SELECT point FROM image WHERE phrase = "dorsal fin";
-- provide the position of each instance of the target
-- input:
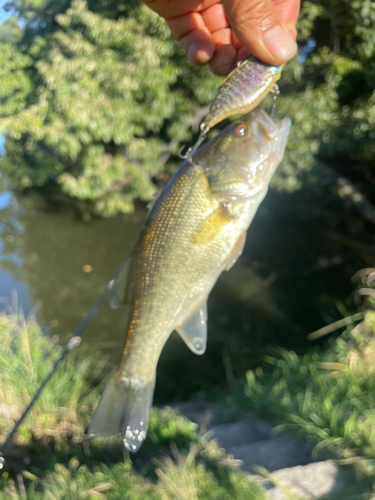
(193, 330)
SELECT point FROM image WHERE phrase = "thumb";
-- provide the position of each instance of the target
(257, 25)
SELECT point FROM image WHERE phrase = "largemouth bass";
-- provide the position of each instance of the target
(195, 230)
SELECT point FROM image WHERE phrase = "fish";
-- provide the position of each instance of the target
(242, 90)
(195, 229)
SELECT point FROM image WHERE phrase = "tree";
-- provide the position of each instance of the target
(99, 98)
(109, 104)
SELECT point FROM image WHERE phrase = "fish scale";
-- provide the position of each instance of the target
(167, 244)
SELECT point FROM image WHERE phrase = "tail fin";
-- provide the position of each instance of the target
(124, 407)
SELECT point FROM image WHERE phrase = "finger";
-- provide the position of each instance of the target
(224, 60)
(193, 36)
(288, 11)
(171, 8)
(181, 26)
(292, 30)
(222, 37)
(215, 18)
(198, 46)
(235, 42)
(242, 54)
(258, 27)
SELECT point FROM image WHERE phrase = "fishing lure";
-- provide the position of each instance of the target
(243, 89)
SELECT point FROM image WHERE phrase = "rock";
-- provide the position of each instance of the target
(254, 443)
(275, 453)
(238, 433)
(200, 412)
(306, 482)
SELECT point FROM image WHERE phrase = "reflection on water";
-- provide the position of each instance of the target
(294, 277)
(11, 261)
(51, 252)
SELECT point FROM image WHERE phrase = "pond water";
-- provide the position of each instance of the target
(293, 277)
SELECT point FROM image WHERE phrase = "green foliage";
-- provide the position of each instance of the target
(14, 82)
(185, 478)
(26, 357)
(328, 90)
(66, 404)
(110, 101)
(167, 426)
(98, 97)
(54, 432)
(328, 395)
(75, 482)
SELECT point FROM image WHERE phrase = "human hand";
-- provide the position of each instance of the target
(222, 32)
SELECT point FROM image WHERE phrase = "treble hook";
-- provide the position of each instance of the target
(190, 151)
(185, 156)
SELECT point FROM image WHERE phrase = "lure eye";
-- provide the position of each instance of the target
(240, 130)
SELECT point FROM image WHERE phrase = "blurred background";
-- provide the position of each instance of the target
(96, 100)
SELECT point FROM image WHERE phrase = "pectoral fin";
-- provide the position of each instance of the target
(212, 226)
(236, 251)
(117, 287)
(193, 330)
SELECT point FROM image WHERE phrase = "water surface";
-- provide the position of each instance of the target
(293, 278)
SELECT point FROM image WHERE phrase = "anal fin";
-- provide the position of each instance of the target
(193, 330)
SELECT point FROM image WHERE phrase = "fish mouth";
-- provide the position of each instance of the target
(254, 144)
(266, 127)
(270, 141)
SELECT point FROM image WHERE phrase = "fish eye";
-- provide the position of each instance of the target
(240, 130)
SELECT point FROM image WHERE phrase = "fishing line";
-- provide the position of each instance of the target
(275, 94)
(72, 343)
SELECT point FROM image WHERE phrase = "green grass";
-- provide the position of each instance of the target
(186, 477)
(328, 395)
(50, 457)
(62, 412)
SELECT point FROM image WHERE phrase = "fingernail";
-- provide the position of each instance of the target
(197, 53)
(279, 43)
